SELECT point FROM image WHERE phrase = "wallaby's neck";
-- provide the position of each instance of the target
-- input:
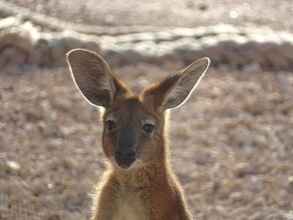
(150, 175)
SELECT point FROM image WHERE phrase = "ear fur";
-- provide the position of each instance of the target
(93, 77)
(175, 90)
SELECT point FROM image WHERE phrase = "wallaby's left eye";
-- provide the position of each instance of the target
(148, 128)
(110, 125)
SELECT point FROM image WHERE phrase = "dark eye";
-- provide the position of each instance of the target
(148, 128)
(110, 125)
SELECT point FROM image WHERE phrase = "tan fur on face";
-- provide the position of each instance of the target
(135, 112)
(146, 190)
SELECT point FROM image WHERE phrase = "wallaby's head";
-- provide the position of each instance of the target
(133, 124)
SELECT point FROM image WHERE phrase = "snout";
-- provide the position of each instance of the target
(125, 158)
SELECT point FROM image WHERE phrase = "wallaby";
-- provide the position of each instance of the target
(139, 183)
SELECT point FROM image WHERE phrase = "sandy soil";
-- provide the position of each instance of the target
(164, 13)
(231, 144)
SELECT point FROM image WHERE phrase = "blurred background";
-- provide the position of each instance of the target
(231, 143)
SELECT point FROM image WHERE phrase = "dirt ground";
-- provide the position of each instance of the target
(189, 13)
(231, 144)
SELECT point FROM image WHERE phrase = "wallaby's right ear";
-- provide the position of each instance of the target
(92, 76)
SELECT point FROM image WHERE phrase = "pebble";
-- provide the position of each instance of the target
(13, 165)
(243, 169)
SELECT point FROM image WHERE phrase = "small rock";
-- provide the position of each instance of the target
(13, 165)
(243, 169)
(50, 185)
(290, 183)
(202, 7)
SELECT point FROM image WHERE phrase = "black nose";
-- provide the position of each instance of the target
(125, 158)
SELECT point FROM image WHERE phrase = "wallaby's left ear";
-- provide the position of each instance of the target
(175, 90)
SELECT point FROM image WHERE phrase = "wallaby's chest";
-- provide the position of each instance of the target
(131, 206)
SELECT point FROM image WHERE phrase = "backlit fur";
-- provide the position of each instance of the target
(148, 190)
(140, 187)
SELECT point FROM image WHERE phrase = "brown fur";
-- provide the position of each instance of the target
(151, 188)
(139, 183)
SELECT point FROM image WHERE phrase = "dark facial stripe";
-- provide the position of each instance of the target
(127, 138)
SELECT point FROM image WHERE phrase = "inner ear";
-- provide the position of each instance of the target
(94, 78)
(154, 95)
(173, 91)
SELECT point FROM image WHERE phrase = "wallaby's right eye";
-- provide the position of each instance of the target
(110, 124)
(148, 128)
